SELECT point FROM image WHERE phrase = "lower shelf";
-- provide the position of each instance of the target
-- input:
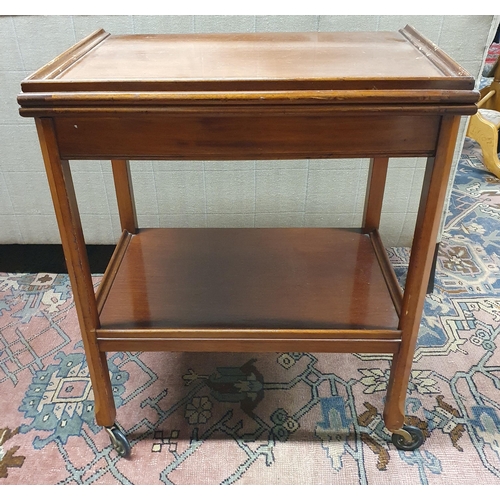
(246, 285)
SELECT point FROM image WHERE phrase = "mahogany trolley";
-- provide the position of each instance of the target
(258, 96)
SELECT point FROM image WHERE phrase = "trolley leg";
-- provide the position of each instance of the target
(75, 253)
(377, 175)
(422, 254)
(124, 195)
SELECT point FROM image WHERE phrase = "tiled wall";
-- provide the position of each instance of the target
(239, 194)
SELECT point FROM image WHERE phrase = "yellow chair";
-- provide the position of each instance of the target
(484, 126)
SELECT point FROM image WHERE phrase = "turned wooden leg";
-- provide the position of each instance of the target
(75, 253)
(422, 253)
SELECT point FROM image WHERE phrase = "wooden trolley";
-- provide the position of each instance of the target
(238, 97)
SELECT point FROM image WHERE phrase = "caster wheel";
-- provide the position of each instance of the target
(119, 441)
(417, 438)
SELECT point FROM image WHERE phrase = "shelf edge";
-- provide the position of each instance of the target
(266, 344)
(387, 271)
(112, 269)
(249, 333)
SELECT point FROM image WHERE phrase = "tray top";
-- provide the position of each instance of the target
(302, 60)
(251, 57)
(323, 68)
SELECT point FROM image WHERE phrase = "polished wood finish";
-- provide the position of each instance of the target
(377, 175)
(268, 279)
(124, 195)
(263, 133)
(419, 268)
(244, 342)
(250, 96)
(70, 227)
(247, 61)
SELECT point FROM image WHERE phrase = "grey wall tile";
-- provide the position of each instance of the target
(9, 231)
(40, 229)
(163, 24)
(10, 85)
(116, 230)
(183, 220)
(20, 148)
(179, 165)
(29, 193)
(362, 183)
(135, 165)
(409, 163)
(350, 164)
(324, 164)
(429, 26)
(41, 38)
(230, 191)
(288, 23)
(408, 229)
(290, 219)
(391, 226)
(97, 229)
(6, 206)
(229, 165)
(328, 219)
(10, 55)
(224, 24)
(416, 189)
(144, 186)
(148, 220)
(180, 192)
(288, 164)
(109, 187)
(91, 193)
(331, 191)
(464, 37)
(280, 190)
(348, 23)
(115, 25)
(86, 166)
(397, 189)
(230, 220)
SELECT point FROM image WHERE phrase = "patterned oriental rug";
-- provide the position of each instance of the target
(278, 418)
